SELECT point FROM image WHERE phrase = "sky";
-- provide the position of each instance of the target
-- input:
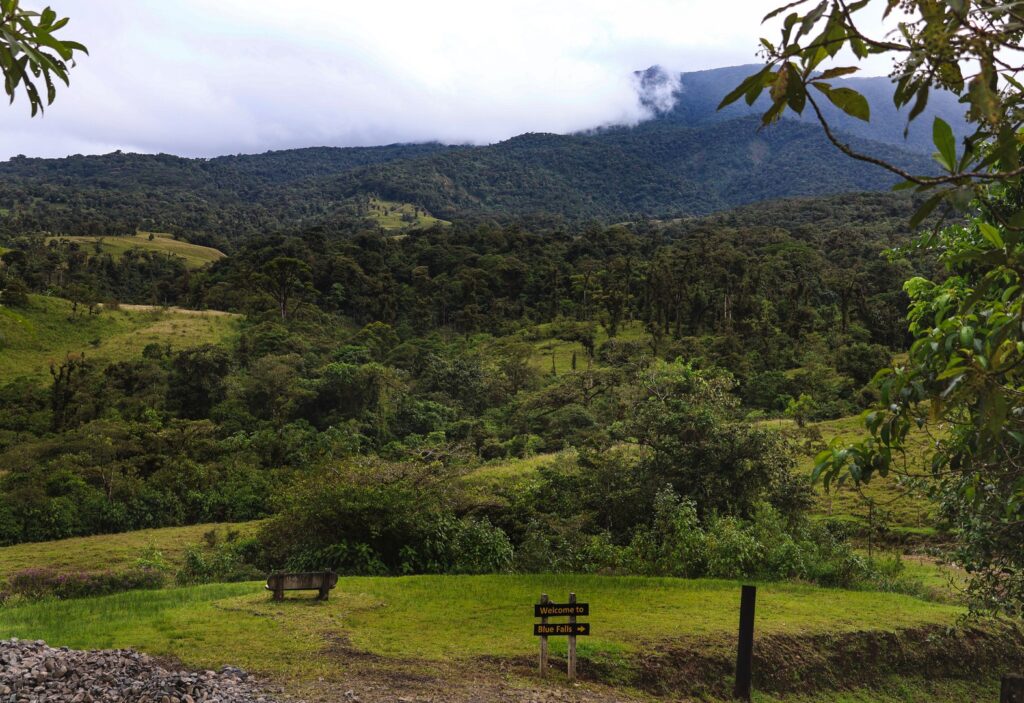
(211, 77)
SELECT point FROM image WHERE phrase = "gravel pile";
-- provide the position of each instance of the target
(31, 671)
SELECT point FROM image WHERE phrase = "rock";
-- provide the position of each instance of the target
(31, 671)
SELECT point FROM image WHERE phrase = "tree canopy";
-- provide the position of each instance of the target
(962, 380)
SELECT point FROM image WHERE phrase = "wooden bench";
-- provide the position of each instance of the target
(322, 581)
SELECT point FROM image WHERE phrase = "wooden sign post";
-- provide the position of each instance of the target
(543, 639)
(572, 629)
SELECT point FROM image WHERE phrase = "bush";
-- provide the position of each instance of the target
(45, 583)
(219, 562)
(375, 518)
(564, 549)
(767, 546)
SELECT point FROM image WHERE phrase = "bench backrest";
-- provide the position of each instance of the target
(306, 581)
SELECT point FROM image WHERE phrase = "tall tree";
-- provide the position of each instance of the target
(287, 280)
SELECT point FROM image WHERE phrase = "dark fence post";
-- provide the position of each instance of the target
(571, 670)
(745, 650)
(1012, 689)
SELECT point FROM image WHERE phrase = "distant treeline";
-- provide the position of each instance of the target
(661, 168)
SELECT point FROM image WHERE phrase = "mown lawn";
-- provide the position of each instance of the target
(436, 618)
(32, 337)
(194, 255)
(113, 552)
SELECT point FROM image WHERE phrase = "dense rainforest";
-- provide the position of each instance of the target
(638, 354)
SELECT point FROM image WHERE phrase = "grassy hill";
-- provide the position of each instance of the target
(195, 256)
(897, 504)
(111, 552)
(31, 337)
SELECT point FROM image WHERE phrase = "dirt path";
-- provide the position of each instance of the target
(470, 682)
(368, 678)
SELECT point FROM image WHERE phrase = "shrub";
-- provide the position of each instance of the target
(376, 517)
(43, 583)
(769, 545)
(219, 561)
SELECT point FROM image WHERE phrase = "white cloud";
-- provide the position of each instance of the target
(207, 77)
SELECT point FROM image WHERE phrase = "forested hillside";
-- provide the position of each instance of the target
(471, 341)
(661, 168)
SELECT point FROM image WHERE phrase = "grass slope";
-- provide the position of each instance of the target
(194, 255)
(392, 215)
(898, 506)
(30, 338)
(113, 552)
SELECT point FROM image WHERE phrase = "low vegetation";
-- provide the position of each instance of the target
(116, 552)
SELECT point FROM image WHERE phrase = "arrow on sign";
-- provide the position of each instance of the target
(561, 629)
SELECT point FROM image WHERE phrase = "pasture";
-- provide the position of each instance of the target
(45, 331)
(395, 216)
(195, 255)
(112, 552)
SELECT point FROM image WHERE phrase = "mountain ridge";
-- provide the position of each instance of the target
(688, 160)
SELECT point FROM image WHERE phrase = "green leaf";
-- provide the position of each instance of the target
(837, 72)
(812, 18)
(967, 337)
(926, 209)
(945, 142)
(848, 100)
(991, 234)
(779, 10)
(753, 82)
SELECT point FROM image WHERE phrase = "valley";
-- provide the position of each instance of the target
(493, 398)
(302, 424)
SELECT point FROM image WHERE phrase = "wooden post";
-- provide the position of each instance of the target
(745, 650)
(1012, 689)
(572, 641)
(543, 640)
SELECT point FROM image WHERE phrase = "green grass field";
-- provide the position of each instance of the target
(562, 351)
(392, 215)
(442, 618)
(32, 337)
(897, 506)
(194, 255)
(113, 552)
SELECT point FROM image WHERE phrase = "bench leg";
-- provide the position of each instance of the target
(279, 594)
(323, 594)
